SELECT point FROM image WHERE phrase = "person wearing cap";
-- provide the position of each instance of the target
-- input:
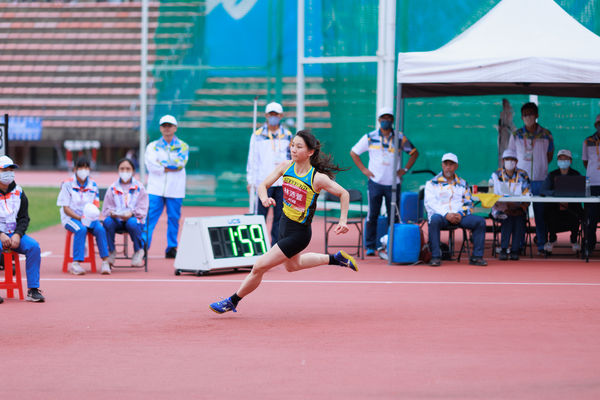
(14, 221)
(590, 154)
(561, 217)
(125, 208)
(79, 200)
(269, 146)
(165, 160)
(380, 145)
(448, 203)
(510, 181)
(534, 146)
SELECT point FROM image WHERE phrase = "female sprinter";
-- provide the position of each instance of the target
(303, 179)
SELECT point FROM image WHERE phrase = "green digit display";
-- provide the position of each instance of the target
(233, 245)
(246, 241)
(258, 237)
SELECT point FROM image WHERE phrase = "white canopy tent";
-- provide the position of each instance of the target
(518, 47)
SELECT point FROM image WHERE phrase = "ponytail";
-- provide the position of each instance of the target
(323, 163)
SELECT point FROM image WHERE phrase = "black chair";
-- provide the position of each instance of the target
(465, 245)
(355, 217)
(529, 232)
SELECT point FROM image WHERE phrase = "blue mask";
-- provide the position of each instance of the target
(385, 124)
(273, 120)
(563, 164)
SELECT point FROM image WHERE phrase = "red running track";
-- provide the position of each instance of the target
(512, 330)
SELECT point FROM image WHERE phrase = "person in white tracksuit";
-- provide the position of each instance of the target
(165, 161)
(269, 146)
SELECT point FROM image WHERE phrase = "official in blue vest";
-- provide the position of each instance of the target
(14, 220)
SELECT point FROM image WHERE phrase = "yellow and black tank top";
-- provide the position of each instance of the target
(299, 196)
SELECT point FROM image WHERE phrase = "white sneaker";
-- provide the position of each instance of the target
(548, 247)
(576, 247)
(111, 257)
(76, 269)
(105, 268)
(138, 258)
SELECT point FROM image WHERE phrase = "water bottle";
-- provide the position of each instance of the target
(587, 187)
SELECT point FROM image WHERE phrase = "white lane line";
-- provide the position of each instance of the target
(200, 280)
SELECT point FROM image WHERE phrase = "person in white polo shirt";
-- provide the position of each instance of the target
(590, 154)
(380, 145)
(534, 146)
(165, 160)
(269, 146)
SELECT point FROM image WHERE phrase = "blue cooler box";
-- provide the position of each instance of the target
(407, 244)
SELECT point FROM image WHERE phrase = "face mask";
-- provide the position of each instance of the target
(273, 120)
(7, 177)
(386, 125)
(510, 165)
(563, 164)
(83, 174)
(125, 176)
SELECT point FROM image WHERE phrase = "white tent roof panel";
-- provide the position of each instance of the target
(520, 46)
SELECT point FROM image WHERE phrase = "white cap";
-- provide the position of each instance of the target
(565, 152)
(91, 213)
(274, 107)
(508, 153)
(7, 162)
(168, 119)
(450, 157)
(384, 111)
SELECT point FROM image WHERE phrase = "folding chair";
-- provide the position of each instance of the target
(465, 245)
(353, 219)
(123, 248)
(529, 231)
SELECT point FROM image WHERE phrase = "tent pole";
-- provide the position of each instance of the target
(300, 68)
(397, 183)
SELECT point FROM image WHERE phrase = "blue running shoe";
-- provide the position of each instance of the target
(223, 306)
(346, 260)
(370, 252)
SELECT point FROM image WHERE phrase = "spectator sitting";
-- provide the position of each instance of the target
(14, 220)
(511, 181)
(125, 207)
(448, 203)
(560, 217)
(76, 195)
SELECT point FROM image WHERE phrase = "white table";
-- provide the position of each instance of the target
(552, 199)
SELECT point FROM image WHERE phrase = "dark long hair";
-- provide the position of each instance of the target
(322, 162)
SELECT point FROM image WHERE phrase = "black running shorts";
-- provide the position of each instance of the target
(293, 236)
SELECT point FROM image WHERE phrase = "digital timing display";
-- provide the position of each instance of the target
(237, 241)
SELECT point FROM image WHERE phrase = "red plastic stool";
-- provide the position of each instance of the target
(9, 283)
(91, 257)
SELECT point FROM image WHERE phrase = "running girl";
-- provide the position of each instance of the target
(304, 177)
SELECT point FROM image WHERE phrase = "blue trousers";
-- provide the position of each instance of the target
(475, 223)
(512, 226)
(30, 247)
(276, 192)
(538, 215)
(157, 204)
(132, 226)
(377, 193)
(79, 234)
